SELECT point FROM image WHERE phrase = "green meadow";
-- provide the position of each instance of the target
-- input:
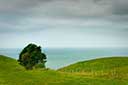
(102, 71)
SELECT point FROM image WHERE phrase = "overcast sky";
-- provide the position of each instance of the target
(64, 23)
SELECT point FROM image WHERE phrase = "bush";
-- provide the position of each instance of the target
(31, 56)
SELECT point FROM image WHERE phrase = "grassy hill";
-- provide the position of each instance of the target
(110, 67)
(97, 64)
(11, 73)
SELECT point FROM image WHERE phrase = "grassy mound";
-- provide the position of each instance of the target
(11, 73)
(97, 64)
(110, 67)
(9, 64)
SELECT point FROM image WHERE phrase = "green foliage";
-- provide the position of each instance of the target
(31, 55)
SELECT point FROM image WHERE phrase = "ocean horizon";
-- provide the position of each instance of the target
(60, 57)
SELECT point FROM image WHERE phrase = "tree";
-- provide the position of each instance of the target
(32, 56)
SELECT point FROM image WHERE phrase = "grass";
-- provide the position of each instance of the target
(110, 67)
(11, 73)
(98, 64)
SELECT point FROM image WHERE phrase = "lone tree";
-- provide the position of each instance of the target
(31, 56)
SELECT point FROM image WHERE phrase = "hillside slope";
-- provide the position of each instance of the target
(11, 73)
(109, 67)
(7, 64)
(97, 64)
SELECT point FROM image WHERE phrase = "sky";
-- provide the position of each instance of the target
(64, 23)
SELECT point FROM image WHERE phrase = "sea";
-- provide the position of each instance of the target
(60, 57)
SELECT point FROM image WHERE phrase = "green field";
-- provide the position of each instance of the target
(104, 71)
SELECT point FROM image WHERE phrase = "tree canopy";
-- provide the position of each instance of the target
(32, 56)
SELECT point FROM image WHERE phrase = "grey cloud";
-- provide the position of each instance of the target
(69, 8)
(19, 5)
(119, 19)
(72, 8)
(15, 12)
(19, 30)
(120, 7)
(48, 19)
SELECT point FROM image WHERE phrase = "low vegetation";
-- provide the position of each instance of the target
(110, 67)
(82, 73)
